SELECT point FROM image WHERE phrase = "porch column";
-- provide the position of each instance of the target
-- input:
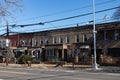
(83, 38)
(57, 54)
(46, 56)
(62, 54)
(116, 35)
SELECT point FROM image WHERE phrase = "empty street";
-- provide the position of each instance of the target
(8, 73)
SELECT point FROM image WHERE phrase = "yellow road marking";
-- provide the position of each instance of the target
(13, 72)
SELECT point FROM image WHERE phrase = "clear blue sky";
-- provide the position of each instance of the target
(35, 11)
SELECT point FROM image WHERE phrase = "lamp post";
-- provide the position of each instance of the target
(94, 35)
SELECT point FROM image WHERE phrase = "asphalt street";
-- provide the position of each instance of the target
(9, 73)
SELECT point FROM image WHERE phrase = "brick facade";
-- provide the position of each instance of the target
(52, 41)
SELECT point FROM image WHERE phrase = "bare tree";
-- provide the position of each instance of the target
(7, 7)
(116, 14)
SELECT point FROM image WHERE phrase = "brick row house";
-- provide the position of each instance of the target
(62, 44)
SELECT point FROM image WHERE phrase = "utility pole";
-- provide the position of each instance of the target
(94, 35)
(7, 42)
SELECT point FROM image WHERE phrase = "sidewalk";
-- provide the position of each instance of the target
(25, 65)
(42, 65)
(86, 68)
(107, 69)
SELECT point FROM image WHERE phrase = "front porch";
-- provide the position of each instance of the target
(56, 53)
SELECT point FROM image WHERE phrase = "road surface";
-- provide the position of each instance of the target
(8, 73)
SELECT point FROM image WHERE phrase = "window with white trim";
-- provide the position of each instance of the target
(47, 40)
(41, 40)
(35, 42)
(30, 42)
(85, 37)
(77, 38)
(116, 35)
(68, 39)
(54, 40)
(60, 40)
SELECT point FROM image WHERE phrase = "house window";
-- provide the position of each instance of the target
(0, 44)
(84, 37)
(116, 35)
(35, 42)
(67, 39)
(105, 38)
(47, 40)
(27, 42)
(54, 40)
(30, 42)
(15, 44)
(22, 43)
(60, 40)
(50, 52)
(77, 38)
(41, 40)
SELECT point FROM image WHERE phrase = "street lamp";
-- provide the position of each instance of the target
(94, 35)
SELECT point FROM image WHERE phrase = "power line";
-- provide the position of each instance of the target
(42, 23)
(66, 11)
(61, 12)
(98, 21)
(66, 18)
(83, 23)
(80, 15)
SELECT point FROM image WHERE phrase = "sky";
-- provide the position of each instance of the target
(35, 11)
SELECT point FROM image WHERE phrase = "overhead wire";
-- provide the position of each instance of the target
(61, 12)
(41, 23)
(66, 18)
(67, 11)
(98, 21)
(13, 26)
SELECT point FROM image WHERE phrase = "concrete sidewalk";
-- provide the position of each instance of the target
(88, 68)
(107, 69)
(25, 65)
(42, 65)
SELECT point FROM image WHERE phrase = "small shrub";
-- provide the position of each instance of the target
(27, 58)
